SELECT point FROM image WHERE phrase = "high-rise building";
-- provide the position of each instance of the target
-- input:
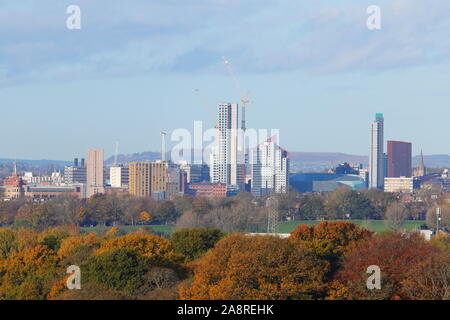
(75, 174)
(176, 182)
(148, 179)
(196, 173)
(118, 176)
(94, 172)
(227, 160)
(399, 159)
(139, 183)
(376, 155)
(270, 169)
(159, 179)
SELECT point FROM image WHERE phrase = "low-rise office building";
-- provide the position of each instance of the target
(401, 184)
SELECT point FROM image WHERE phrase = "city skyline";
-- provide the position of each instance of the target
(55, 84)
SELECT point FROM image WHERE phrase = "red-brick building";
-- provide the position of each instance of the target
(210, 190)
(399, 159)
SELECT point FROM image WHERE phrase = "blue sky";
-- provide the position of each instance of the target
(313, 69)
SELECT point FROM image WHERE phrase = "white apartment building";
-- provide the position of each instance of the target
(118, 177)
(226, 163)
(270, 169)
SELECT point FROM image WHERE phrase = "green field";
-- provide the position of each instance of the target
(373, 225)
(285, 227)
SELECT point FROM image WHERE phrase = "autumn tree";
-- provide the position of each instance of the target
(166, 212)
(53, 237)
(201, 206)
(70, 245)
(8, 243)
(145, 217)
(97, 209)
(39, 216)
(379, 201)
(158, 281)
(445, 217)
(259, 267)
(158, 250)
(28, 274)
(344, 203)
(9, 211)
(410, 267)
(396, 215)
(84, 217)
(66, 206)
(330, 240)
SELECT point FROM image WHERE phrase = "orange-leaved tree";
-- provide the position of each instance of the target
(158, 249)
(71, 244)
(257, 267)
(330, 240)
(410, 268)
(28, 274)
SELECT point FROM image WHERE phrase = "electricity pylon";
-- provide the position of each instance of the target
(273, 219)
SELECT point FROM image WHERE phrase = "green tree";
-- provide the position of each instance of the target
(166, 212)
(312, 207)
(44, 216)
(120, 269)
(344, 203)
(97, 209)
(8, 243)
(193, 243)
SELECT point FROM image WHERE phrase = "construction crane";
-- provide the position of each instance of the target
(237, 84)
(163, 145)
(207, 106)
(116, 154)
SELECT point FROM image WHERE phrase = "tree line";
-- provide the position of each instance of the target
(327, 261)
(241, 213)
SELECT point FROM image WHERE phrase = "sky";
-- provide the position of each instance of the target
(312, 69)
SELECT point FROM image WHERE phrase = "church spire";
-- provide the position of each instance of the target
(422, 170)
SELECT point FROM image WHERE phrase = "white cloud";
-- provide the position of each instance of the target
(126, 38)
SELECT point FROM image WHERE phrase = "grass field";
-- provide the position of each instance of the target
(285, 227)
(373, 225)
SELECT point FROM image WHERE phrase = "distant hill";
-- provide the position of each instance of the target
(300, 161)
(317, 161)
(135, 157)
(42, 162)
